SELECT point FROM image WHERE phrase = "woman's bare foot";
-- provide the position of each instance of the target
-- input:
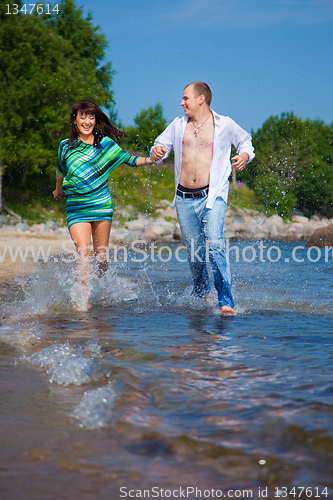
(227, 311)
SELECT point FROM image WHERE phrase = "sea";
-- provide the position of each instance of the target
(152, 393)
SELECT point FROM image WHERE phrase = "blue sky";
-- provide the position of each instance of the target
(260, 57)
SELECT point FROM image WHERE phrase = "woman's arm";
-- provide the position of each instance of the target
(58, 192)
(141, 162)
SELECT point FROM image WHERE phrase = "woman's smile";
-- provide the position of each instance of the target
(85, 124)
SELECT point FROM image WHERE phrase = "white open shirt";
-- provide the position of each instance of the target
(226, 134)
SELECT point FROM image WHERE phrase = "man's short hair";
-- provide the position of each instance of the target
(201, 88)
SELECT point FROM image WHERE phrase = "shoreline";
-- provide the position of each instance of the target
(19, 241)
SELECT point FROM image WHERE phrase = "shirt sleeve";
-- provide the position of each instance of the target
(127, 158)
(166, 139)
(62, 169)
(121, 156)
(242, 141)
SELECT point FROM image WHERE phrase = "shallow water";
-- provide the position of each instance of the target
(152, 389)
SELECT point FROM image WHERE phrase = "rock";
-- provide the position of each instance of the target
(38, 229)
(316, 217)
(162, 228)
(124, 214)
(237, 228)
(149, 236)
(229, 234)
(123, 235)
(137, 225)
(61, 231)
(163, 204)
(246, 219)
(322, 237)
(274, 227)
(22, 226)
(295, 232)
(301, 219)
(177, 235)
(4, 219)
(167, 212)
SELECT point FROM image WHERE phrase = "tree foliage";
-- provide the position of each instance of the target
(46, 64)
(293, 165)
(149, 124)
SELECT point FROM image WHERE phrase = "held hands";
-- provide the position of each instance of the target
(158, 152)
(238, 162)
(57, 193)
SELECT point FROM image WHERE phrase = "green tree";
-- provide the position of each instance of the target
(46, 64)
(149, 123)
(292, 167)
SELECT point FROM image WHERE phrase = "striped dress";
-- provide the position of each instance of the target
(86, 170)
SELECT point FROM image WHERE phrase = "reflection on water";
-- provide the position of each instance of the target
(152, 388)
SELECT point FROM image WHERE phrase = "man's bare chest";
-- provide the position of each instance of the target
(200, 142)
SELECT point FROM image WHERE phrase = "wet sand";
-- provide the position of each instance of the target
(52, 245)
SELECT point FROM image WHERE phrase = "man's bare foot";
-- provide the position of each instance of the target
(226, 310)
(209, 299)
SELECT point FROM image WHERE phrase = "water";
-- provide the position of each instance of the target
(150, 388)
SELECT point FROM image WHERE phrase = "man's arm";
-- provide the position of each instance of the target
(164, 143)
(243, 144)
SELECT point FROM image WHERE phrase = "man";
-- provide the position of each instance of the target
(202, 142)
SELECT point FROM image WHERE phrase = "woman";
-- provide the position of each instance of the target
(85, 162)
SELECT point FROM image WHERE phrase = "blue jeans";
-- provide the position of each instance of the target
(203, 233)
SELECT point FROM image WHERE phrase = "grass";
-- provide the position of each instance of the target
(37, 212)
(240, 195)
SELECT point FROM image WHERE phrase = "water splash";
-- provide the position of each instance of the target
(66, 364)
(95, 409)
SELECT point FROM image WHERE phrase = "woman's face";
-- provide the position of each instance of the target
(85, 123)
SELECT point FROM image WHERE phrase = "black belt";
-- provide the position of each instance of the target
(196, 194)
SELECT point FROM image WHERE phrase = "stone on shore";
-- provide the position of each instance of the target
(163, 226)
(150, 236)
(322, 237)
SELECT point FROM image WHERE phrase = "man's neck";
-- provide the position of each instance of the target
(201, 116)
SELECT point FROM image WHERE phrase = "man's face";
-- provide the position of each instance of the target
(190, 102)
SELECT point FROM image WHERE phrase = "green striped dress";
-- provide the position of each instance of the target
(86, 170)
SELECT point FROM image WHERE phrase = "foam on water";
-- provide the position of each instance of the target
(95, 409)
(67, 365)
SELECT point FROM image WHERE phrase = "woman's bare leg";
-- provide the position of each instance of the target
(81, 236)
(100, 237)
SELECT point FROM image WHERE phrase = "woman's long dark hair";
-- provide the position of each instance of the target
(103, 125)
